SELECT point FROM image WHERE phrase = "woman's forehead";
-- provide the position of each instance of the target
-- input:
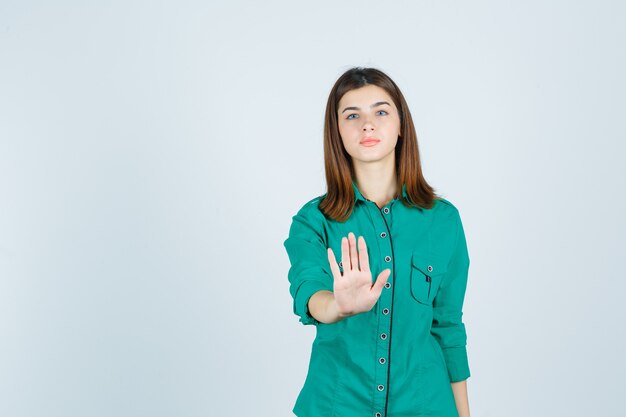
(364, 96)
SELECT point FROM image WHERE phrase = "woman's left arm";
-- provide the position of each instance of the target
(460, 398)
(448, 327)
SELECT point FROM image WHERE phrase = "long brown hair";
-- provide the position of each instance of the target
(339, 200)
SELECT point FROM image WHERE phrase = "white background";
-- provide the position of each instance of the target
(152, 155)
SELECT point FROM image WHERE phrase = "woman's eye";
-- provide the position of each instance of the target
(350, 116)
(382, 111)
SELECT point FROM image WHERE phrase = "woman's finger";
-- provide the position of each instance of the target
(354, 256)
(377, 288)
(345, 254)
(333, 263)
(364, 260)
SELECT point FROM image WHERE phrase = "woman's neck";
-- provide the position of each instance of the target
(377, 185)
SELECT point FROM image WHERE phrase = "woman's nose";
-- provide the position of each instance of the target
(367, 125)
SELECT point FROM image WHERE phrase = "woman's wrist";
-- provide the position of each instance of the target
(333, 310)
(323, 307)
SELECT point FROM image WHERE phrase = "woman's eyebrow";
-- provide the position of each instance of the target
(378, 103)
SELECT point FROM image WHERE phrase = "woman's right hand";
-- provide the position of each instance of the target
(353, 290)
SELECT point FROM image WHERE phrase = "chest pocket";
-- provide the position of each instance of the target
(427, 272)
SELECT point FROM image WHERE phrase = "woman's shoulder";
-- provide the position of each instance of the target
(312, 204)
(308, 219)
(445, 210)
(445, 204)
(311, 208)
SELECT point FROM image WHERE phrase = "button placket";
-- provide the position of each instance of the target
(381, 222)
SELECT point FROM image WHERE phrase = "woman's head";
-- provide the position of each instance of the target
(369, 126)
(346, 124)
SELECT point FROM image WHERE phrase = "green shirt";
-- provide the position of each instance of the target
(399, 358)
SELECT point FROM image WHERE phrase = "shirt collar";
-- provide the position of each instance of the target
(359, 196)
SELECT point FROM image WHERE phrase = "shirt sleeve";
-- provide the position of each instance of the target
(447, 326)
(310, 270)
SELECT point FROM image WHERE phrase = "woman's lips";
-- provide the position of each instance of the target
(369, 142)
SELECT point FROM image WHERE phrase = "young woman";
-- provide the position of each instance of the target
(390, 340)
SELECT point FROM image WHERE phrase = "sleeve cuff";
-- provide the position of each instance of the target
(305, 291)
(457, 363)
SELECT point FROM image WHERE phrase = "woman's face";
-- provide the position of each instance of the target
(368, 113)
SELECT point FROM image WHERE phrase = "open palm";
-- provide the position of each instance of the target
(353, 290)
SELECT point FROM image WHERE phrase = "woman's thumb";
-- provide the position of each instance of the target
(381, 281)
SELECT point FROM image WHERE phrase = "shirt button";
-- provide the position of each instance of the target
(383, 235)
(387, 285)
(381, 387)
(378, 415)
(430, 268)
(340, 264)
(381, 360)
(385, 311)
(386, 210)
(387, 258)
(383, 336)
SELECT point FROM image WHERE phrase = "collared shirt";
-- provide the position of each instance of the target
(399, 358)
